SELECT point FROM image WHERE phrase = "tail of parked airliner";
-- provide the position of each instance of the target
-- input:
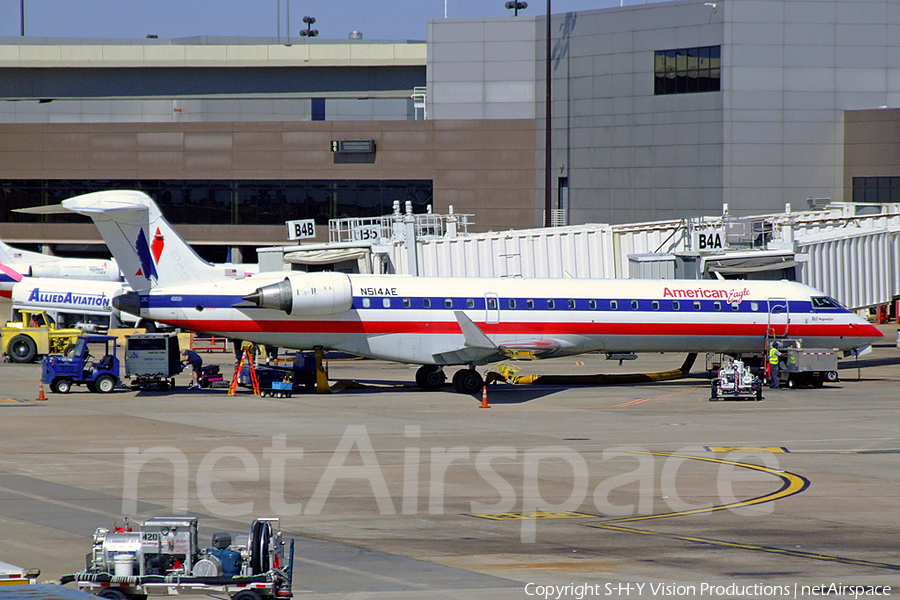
(149, 252)
(11, 256)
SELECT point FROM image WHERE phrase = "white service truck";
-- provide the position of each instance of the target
(73, 303)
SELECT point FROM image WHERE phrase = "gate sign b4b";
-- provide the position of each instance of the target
(299, 230)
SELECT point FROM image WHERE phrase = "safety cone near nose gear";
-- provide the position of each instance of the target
(41, 396)
(484, 403)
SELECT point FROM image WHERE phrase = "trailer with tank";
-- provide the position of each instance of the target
(163, 556)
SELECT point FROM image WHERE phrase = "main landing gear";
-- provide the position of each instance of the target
(465, 381)
(430, 377)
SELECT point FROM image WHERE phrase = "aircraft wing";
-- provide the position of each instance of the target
(476, 348)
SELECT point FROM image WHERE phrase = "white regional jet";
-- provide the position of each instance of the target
(437, 322)
(16, 264)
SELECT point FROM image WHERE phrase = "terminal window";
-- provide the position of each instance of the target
(876, 189)
(229, 202)
(687, 70)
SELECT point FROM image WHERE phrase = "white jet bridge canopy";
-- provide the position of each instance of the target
(850, 251)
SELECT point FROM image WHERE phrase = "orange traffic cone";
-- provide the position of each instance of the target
(41, 396)
(484, 403)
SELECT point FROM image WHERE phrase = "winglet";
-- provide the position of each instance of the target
(475, 338)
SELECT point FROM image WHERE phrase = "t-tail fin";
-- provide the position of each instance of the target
(11, 256)
(149, 252)
(5, 254)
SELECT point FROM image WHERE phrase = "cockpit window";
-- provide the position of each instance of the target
(820, 302)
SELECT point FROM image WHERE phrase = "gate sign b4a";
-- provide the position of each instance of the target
(708, 240)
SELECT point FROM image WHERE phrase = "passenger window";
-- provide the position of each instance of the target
(754, 306)
(592, 304)
(634, 305)
(492, 303)
(448, 302)
(676, 305)
(406, 303)
(655, 305)
(696, 305)
(613, 305)
(470, 303)
(512, 303)
(551, 304)
(426, 302)
(735, 306)
(386, 302)
(717, 305)
(571, 305)
(529, 303)
(366, 303)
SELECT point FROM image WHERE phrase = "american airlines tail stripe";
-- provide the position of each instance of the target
(451, 327)
(685, 307)
(8, 276)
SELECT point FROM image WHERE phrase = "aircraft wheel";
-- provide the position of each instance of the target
(467, 381)
(430, 377)
(61, 386)
(22, 349)
(105, 384)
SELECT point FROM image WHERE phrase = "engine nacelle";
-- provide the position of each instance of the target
(307, 295)
(102, 270)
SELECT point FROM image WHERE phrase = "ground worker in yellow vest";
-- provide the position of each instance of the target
(775, 356)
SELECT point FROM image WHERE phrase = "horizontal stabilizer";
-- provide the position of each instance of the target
(53, 209)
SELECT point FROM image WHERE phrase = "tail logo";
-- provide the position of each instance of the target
(157, 245)
(148, 268)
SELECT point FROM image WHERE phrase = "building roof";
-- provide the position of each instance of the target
(206, 52)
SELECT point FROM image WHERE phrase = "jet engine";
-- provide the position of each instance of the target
(306, 295)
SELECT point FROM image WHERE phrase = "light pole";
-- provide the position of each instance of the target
(309, 31)
(548, 187)
(516, 6)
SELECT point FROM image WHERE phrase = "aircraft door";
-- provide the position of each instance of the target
(779, 318)
(492, 308)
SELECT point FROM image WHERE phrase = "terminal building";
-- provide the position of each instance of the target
(664, 110)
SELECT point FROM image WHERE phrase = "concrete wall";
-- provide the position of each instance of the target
(792, 68)
(483, 168)
(630, 155)
(774, 134)
(871, 145)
